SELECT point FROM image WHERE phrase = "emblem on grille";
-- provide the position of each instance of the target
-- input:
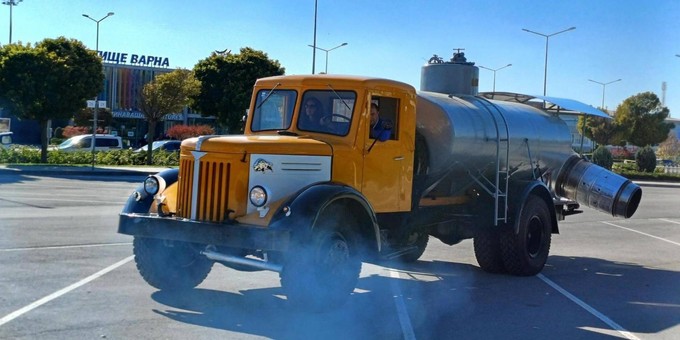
(261, 165)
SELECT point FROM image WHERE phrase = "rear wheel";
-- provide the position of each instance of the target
(526, 251)
(170, 265)
(487, 246)
(322, 274)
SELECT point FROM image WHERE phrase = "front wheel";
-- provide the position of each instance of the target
(170, 265)
(526, 251)
(322, 274)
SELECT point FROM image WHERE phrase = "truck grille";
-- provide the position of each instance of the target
(212, 194)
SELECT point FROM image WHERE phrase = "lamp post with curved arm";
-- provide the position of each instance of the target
(11, 4)
(494, 73)
(604, 85)
(96, 102)
(327, 50)
(547, 36)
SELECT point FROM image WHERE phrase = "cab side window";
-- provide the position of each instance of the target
(388, 118)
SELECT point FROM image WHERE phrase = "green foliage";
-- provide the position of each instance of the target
(49, 81)
(167, 93)
(642, 119)
(227, 84)
(601, 130)
(24, 155)
(603, 157)
(645, 159)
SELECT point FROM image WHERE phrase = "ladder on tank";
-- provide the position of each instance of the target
(500, 183)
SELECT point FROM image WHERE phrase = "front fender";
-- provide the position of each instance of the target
(301, 212)
(139, 201)
(520, 192)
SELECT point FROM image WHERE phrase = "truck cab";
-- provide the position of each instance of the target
(336, 111)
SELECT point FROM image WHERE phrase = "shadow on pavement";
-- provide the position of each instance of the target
(445, 300)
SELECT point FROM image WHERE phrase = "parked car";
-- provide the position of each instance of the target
(84, 143)
(5, 139)
(165, 145)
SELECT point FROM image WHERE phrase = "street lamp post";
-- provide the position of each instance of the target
(545, 71)
(494, 73)
(11, 3)
(327, 50)
(604, 85)
(96, 102)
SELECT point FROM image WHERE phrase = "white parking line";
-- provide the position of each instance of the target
(11, 316)
(615, 326)
(639, 232)
(67, 247)
(404, 321)
(667, 220)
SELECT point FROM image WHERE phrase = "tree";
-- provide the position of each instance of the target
(49, 81)
(642, 119)
(670, 148)
(167, 93)
(227, 84)
(603, 131)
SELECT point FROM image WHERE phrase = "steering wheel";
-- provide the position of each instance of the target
(325, 120)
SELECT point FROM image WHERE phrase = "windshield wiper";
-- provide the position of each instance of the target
(267, 96)
(337, 95)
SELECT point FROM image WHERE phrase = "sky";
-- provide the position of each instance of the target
(632, 40)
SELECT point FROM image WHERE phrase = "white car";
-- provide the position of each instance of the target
(165, 145)
(84, 143)
(5, 139)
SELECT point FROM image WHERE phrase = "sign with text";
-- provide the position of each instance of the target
(134, 59)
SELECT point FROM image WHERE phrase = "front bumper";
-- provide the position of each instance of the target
(180, 229)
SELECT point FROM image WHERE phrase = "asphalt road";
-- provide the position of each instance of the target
(66, 274)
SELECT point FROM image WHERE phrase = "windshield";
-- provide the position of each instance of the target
(273, 110)
(69, 142)
(327, 111)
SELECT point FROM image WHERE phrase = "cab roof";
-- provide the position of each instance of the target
(337, 80)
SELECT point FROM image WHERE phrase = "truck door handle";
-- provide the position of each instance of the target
(399, 158)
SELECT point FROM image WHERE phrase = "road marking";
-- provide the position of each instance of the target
(667, 220)
(67, 247)
(404, 321)
(9, 317)
(639, 232)
(615, 326)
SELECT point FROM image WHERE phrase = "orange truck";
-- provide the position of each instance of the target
(311, 191)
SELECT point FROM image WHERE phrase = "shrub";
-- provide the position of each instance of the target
(603, 157)
(71, 131)
(645, 159)
(183, 132)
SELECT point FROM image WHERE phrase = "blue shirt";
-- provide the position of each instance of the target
(381, 130)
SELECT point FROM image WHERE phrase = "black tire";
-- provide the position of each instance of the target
(321, 274)
(418, 239)
(487, 244)
(525, 252)
(170, 265)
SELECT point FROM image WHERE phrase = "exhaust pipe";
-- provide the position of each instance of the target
(598, 188)
(258, 264)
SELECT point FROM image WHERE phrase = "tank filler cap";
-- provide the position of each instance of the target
(458, 58)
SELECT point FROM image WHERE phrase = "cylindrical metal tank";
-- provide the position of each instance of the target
(457, 76)
(467, 135)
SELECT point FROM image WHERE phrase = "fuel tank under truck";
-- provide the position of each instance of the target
(466, 136)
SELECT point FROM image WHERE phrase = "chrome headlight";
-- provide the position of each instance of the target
(258, 196)
(154, 185)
